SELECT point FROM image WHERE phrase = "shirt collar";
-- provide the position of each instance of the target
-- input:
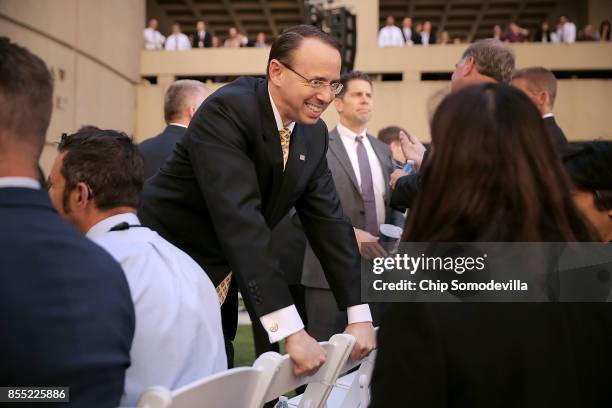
(177, 124)
(277, 116)
(106, 224)
(23, 182)
(547, 115)
(348, 133)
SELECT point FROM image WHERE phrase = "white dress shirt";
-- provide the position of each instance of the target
(287, 321)
(378, 180)
(567, 33)
(424, 38)
(390, 36)
(153, 39)
(178, 42)
(178, 337)
(407, 35)
(19, 182)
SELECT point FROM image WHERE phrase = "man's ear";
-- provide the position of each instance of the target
(339, 104)
(81, 195)
(191, 111)
(468, 66)
(275, 72)
(544, 99)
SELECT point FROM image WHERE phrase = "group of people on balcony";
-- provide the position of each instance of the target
(565, 32)
(422, 34)
(201, 38)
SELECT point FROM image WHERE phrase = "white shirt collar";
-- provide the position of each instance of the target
(547, 115)
(22, 182)
(106, 224)
(277, 116)
(177, 124)
(348, 133)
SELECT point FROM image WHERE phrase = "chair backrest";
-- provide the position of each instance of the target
(338, 350)
(358, 394)
(238, 387)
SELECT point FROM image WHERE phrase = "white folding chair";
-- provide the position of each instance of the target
(238, 387)
(338, 350)
(351, 390)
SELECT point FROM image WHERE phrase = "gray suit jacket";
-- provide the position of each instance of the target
(350, 198)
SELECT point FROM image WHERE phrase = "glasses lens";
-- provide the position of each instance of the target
(336, 87)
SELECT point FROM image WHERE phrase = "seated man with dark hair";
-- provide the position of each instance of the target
(95, 184)
(66, 318)
(590, 168)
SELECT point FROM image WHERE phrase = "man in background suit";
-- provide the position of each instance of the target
(360, 166)
(201, 38)
(66, 315)
(181, 101)
(253, 150)
(540, 85)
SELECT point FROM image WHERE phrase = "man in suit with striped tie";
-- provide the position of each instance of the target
(254, 149)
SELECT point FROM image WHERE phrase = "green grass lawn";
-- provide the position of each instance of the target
(244, 348)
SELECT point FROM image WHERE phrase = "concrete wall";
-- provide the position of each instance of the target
(93, 50)
(582, 107)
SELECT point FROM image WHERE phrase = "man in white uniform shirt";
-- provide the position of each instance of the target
(95, 185)
(360, 166)
(566, 31)
(390, 35)
(153, 39)
(177, 41)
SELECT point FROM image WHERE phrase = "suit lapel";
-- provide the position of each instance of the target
(271, 139)
(336, 147)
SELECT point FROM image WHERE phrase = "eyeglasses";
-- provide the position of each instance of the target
(335, 86)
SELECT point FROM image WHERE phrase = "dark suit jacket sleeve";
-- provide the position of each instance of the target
(410, 364)
(227, 179)
(331, 235)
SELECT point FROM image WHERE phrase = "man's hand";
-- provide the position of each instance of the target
(396, 175)
(412, 148)
(365, 339)
(307, 355)
(368, 244)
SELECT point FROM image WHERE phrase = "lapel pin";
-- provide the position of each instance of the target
(302, 157)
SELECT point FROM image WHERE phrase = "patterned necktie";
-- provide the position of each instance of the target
(285, 137)
(367, 188)
(223, 288)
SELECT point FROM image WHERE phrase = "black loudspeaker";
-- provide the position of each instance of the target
(341, 24)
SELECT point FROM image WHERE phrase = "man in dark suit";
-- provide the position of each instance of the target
(487, 60)
(540, 85)
(66, 316)
(181, 101)
(255, 149)
(360, 166)
(201, 38)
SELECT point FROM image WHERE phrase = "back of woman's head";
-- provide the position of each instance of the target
(493, 174)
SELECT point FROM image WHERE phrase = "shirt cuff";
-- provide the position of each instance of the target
(282, 323)
(359, 313)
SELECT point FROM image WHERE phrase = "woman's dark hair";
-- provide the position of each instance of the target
(493, 175)
(291, 39)
(601, 28)
(590, 168)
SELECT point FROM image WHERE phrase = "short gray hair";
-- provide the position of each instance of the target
(492, 58)
(178, 97)
(539, 79)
